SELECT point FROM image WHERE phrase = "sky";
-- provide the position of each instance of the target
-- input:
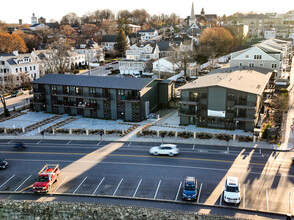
(11, 12)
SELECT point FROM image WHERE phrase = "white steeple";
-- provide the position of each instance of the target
(34, 19)
(192, 16)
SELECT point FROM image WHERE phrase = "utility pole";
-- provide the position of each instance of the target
(89, 68)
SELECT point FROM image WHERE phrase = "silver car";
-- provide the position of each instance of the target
(164, 149)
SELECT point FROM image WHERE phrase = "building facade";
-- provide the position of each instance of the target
(100, 97)
(232, 99)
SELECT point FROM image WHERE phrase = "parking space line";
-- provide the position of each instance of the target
(7, 181)
(79, 185)
(157, 190)
(68, 143)
(178, 191)
(98, 186)
(221, 197)
(39, 141)
(199, 193)
(22, 183)
(59, 185)
(193, 146)
(98, 143)
(267, 202)
(244, 197)
(137, 188)
(129, 144)
(118, 186)
(9, 142)
(291, 204)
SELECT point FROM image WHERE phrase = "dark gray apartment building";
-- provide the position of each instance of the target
(105, 97)
(230, 98)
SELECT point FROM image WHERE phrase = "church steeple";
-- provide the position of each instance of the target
(192, 16)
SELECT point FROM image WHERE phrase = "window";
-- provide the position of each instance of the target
(120, 92)
(251, 64)
(240, 64)
(30, 68)
(257, 57)
(54, 88)
(92, 90)
(16, 70)
(34, 67)
(261, 65)
(247, 56)
(78, 90)
(274, 65)
(26, 69)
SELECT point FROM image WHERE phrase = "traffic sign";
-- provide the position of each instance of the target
(292, 126)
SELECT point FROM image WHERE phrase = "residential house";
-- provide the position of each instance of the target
(148, 35)
(230, 98)
(108, 41)
(44, 26)
(18, 64)
(167, 48)
(93, 52)
(137, 59)
(105, 97)
(134, 28)
(165, 64)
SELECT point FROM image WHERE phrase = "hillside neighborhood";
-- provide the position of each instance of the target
(218, 83)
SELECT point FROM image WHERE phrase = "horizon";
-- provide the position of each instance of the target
(25, 9)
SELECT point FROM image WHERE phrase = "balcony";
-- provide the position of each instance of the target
(38, 101)
(39, 90)
(96, 96)
(75, 105)
(244, 105)
(189, 102)
(246, 119)
(130, 98)
(183, 112)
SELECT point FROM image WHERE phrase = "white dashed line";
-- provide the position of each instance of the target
(194, 146)
(178, 191)
(9, 142)
(244, 197)
(98, 186)
(22, 183)
(137, 188)
(267, 202)
(68, 143)
(39, 142)
(98, 143)
(79, 185)
(157, 190)
(118, 186)
(129, 144)
(7, 181)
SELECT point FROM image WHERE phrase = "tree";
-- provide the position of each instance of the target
(124, 14)
(12, 42)
(30, 40)
(140, 16)
(10, 82)
(108, 26)
(279, 106)
(121, 45)
(70, 19)
(3, 91)
(69, 33)
(25, 80)
(124, 23)
(215, 42)
(89, 31)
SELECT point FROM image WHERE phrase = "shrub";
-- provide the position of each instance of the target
(264, 131)
(1, 130)
(203, 135)
(243, 138)
(96, 131)
(62, 131)
(185, 134)
(78, 131)
(224, 137)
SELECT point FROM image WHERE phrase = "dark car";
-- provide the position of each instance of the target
(190, 190)
(3, 164)
(115, 62)
(108, 67)
(17, 93)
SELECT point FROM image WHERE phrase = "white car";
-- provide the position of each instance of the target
(232, 190)
(167, 149)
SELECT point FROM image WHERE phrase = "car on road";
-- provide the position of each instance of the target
(114, 62)
(17, 93)
(108, 67)
(190, 189)
(232, 190)
(3, 164)
(164, 149)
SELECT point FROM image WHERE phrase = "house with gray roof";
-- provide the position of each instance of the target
(106, 97)
(230, 98)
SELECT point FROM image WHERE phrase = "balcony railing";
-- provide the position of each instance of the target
(191, 101)
(38, 101)
(187, 112)
(80, 95)
(130, 98)
(75, 104)
(39, 90)
(245, 105)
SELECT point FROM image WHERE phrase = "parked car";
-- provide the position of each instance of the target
(3, 164)
(115, 62)
(164, 149)
(232, 190)
(108, 67)
(190, 189)
(17, 93)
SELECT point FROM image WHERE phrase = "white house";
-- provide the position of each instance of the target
(137, 58)
(108, 41)
(92, 51)
(18, 64)
(165, 64)
(147, 35)
(270, 33)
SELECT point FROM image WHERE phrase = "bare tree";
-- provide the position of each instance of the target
(3, 91)
(25, 80)
(10, 82)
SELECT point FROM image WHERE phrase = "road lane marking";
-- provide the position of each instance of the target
(244, 197)
(130, 155)
(98, 186)
(118, 186)
(59, 185)
(98, 143)
(9, 142)
(193, 146)
(68, 143)
(267, 202)
(79, 185)
(22, 183)
(137, 188)
(199, 193)
(7, 181)
(157, 190)
(178, 191)
(221, 197)
(129, 144)
(39, 142)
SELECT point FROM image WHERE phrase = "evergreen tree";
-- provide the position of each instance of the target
(121, 44)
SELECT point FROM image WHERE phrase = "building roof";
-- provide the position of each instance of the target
(149, 30)
(109, 38)
(251, 80)
(94, 81)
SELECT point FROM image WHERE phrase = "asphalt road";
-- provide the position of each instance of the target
(126, 170)
(100, 71)
(16, 101)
